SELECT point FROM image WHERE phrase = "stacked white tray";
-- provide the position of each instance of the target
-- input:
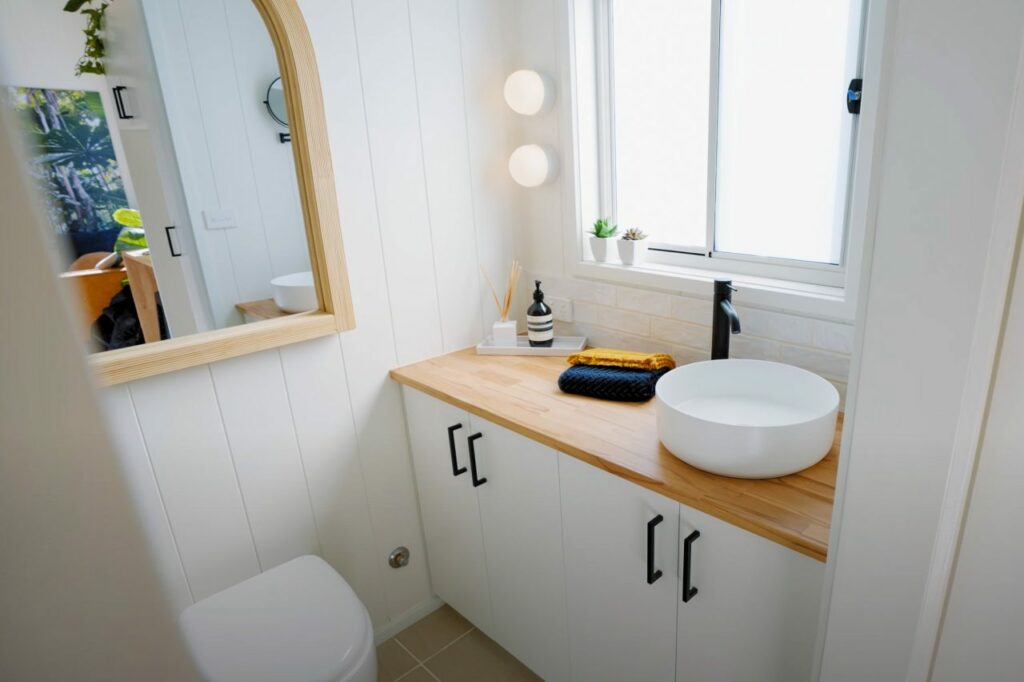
(561, 346)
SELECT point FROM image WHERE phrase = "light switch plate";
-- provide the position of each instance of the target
(220, 219)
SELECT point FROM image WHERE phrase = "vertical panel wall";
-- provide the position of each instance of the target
(247, 463)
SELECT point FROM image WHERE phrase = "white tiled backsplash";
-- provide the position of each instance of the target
(650, 321)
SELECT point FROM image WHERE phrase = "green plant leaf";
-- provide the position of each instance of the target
(94, 52)
(128, 217)
(602, 230)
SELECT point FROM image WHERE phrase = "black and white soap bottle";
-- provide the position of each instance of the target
(540, 322)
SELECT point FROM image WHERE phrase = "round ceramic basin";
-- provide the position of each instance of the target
(295, 293)
(746, 418)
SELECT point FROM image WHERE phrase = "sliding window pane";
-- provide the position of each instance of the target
(783, 131)
(661, 65)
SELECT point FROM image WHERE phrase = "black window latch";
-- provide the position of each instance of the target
(853, 95)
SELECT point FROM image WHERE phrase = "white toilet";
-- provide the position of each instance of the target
(299, 622)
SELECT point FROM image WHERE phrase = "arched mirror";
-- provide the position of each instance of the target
(184, 231)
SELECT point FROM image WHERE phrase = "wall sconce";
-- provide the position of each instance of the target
(533, 165)
(528, 92)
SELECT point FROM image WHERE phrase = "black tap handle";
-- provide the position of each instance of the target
(724, 288)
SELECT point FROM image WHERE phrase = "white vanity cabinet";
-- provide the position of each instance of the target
(580, 573)
(448, 505)
(752, 613)
(493, 526)
(754, 616)
(621, 557)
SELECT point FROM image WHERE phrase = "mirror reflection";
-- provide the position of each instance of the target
(169, 185)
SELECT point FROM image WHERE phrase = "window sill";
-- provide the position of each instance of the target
(812, 300)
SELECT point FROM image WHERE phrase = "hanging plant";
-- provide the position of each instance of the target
(92, 59)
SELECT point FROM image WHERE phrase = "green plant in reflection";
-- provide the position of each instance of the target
(94, 52)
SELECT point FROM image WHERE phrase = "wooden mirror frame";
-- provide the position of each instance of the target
(318, 197)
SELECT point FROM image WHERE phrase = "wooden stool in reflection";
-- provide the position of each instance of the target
(142, 280)
(94, 288)
(91, 288)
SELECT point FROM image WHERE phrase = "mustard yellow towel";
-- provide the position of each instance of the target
(610, 357)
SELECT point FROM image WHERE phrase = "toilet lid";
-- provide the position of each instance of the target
(299, 621)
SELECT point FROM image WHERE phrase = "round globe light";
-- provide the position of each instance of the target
(532, 165)
(528, 92)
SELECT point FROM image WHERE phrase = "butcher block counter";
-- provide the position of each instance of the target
(521, 393)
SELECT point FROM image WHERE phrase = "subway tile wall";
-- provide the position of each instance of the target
(650, 321)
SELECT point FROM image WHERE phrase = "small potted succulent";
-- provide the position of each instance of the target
(632, 246)
(599, 238)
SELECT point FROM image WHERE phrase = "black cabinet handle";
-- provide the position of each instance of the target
(456, 469)
(122, 113)
(477, 482)
(652, 573)
(170, 242)
(689, 592)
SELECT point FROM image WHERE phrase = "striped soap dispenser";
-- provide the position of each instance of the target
(540, 322)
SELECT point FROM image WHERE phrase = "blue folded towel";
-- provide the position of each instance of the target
(610, 383)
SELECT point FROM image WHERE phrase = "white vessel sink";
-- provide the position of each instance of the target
(295, 293)
(746, 418)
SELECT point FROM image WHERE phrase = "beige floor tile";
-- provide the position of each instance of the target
(433, 633)
(393, 661)
(476, 657)
(419, 675)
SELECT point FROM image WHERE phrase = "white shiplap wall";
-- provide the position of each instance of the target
(243, 464)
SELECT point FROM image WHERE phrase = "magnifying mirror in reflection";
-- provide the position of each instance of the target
(275, 102)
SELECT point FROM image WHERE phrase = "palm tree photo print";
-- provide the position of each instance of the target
(72, 158)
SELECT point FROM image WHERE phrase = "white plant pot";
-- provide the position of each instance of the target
(504, 333)
(599, 247)
(632, 251)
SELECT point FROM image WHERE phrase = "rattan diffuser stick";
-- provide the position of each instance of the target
(505, 304)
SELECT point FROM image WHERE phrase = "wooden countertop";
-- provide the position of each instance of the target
(264, 309)
(521, 393)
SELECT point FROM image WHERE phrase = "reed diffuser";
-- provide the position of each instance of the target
(504, 330)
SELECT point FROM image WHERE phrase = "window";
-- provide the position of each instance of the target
(722, 131)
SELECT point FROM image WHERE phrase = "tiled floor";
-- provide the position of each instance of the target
(445, 646)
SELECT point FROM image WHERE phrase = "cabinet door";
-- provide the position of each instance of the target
(754, 617)
(448, 505)
(621, 627)
(522, 524)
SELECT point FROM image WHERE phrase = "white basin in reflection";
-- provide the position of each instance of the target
(295, 293)
(746, 418)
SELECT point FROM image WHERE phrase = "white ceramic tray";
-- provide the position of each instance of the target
(563, 345)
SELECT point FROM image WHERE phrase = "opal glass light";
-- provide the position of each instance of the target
(528, 92)
(532, 165)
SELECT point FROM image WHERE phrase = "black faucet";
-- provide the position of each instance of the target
(724, 320)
